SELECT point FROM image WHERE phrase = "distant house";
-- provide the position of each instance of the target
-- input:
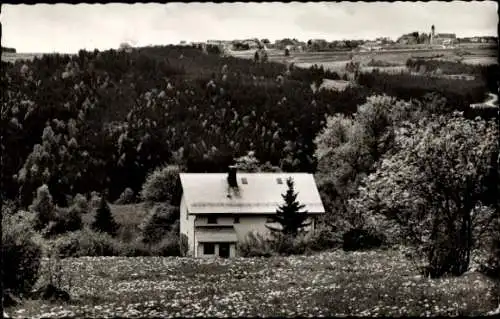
(219, 210)
(370, 46)
(444, 39)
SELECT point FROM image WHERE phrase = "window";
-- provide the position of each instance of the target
(279, 180)
(236, 220)
(212, 220)
(208, 248)
(244, 180)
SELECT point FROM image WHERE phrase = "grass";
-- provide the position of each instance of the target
(328, 284)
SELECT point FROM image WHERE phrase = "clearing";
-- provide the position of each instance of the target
(337, 283)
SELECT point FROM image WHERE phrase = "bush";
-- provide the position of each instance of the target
(43, 207)
(66, 220)
(81, 203)
(21, 254)
(255, 245)
(159, 221)
(86, 242)
(290, 245)
(361, 239)
(127, 197)
(183, 244)
(162, 185)
(168, 246)
(95, 200)
(323, 239)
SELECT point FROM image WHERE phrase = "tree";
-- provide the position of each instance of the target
(288, 215)
(428, 189)
(43, 207)
(158, 223)
(250, 164)
(104, 220)
(162, 185)
(347, 150)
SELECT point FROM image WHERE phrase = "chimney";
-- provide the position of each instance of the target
(231, 176)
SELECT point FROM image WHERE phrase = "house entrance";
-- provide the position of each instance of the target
(224, 250)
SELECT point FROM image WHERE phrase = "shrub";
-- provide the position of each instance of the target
(126, 197)
(95, 200)
(289, 244)
(168, 246)
(81, 203)
(159, 221)
(162, 185)
(183, 244)
(361, 239)
(21, 254)
(43, 207)
(66, 220)
(86, 242)
(323, 239)
(255, 245)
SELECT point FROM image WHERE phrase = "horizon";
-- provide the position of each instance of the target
(64, 28)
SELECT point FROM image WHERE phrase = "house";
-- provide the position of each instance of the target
(218, 210)
(444, 38)
(370, 46)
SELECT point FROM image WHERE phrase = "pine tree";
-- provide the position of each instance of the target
(288, 215)
(104, 221)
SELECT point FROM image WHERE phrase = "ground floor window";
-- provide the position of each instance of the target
(208, 248)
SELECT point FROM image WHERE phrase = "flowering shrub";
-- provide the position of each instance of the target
(21, 255)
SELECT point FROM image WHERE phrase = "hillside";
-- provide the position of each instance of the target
(103, 120)
(114, 116)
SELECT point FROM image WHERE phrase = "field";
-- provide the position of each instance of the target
(328, 284)
(336, 61)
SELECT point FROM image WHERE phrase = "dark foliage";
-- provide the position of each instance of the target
(116, 116)
(289, 215)
(361, 239)
(459, 94)
(21, 255)
(104, 220)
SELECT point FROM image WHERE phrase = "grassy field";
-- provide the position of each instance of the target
(336, 61)
(328, 284)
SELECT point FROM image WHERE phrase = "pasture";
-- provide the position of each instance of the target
(336, 283)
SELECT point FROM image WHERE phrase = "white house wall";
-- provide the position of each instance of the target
(248, 223)
(187, 226)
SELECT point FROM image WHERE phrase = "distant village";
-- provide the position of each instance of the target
(431, 39)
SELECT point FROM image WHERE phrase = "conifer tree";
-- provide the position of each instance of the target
(288, 215)
(104, 220)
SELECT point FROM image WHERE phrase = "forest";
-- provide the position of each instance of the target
(101, 121)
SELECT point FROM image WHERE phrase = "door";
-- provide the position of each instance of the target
(224, 250)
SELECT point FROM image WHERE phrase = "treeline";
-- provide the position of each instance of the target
(488, 73)
(459, 94)
(9, 50)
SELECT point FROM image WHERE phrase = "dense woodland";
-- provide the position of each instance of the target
(102, 120)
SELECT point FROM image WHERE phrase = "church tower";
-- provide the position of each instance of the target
(433, 29)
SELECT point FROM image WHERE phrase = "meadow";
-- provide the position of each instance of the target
(336, 61)
(335, 283)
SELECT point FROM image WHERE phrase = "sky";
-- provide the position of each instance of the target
(68, 28)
